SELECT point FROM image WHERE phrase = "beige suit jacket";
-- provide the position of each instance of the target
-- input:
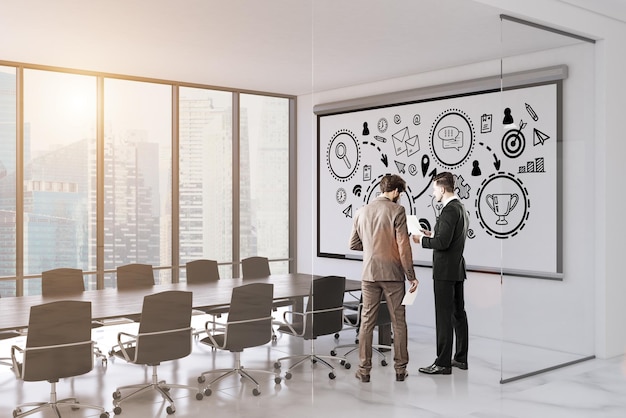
(380, 231)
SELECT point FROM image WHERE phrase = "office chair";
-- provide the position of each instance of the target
(255, 267)
(351, 304)
(258, 268)
(58, 345)
(65, 282)
(134, 276)
(353, 319)
(249, 325)
(205, 271)
(164, 334)
(5, 335)
(323, 316)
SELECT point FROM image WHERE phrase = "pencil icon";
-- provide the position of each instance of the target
(531, 112)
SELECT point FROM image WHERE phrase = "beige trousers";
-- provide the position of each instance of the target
(373, 292)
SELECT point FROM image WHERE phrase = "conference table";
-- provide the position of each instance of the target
(113, 303)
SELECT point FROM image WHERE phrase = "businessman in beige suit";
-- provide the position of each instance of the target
(380, 231)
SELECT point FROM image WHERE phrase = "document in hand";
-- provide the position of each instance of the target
(409, 297)
(414, 225)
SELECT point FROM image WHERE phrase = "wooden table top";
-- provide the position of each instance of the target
(113, 303)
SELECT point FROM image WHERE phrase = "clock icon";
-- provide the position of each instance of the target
(341, 195)
(382, 125)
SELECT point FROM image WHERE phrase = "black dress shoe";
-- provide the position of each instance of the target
(460, 365)
(434, 369)
(365, 378)
(400, 377)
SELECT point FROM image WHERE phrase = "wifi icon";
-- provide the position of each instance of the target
(357, 190)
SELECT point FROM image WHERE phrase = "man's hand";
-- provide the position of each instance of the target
(413, 286)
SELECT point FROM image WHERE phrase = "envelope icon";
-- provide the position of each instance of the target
(404, 142)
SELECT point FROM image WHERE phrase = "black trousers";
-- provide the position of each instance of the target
(450, 321)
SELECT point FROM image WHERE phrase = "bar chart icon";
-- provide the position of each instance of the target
(536, 166)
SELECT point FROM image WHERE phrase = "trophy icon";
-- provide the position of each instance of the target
(502, 204)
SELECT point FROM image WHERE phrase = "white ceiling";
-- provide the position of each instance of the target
(283, 46)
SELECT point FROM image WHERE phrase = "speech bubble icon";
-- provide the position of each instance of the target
(451, 137)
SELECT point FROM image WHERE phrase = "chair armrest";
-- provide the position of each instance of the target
(225, 333)
(125, 344)
(15, 350)
(213, 323)
(290, 323)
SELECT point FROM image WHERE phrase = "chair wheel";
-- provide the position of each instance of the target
(347, 365)
(342, 362)
(277, 365)
(201, 379)
(199, 396)
(104, 415)
(170, 410)
(333, 353)
(117, 394)
(287, 375)
(383, 362)
(277, 380)
(207, 392)
(336, 335)
(256, 392)
(331, 375)
(274, 338)
(117, 410)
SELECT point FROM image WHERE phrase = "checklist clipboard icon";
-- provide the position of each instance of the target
(485, 123)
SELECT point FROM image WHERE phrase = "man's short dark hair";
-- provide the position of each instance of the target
(391, 182)
(445, 180)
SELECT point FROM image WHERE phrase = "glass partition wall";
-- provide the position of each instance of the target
(545, 201)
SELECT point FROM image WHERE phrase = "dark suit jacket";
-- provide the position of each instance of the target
(448, 242)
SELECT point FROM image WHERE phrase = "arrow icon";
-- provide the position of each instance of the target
(496, 164)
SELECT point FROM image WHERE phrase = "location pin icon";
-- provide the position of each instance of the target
(425, 164)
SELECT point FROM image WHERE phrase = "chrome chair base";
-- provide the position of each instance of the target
(160, 386)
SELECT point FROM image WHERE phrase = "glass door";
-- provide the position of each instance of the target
(542, 198)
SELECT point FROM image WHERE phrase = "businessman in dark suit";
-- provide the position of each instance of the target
(448, 242)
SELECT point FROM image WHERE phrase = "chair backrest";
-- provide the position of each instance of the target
(62, 282)
(250, 302)
(383, 318)
(202, 271)
(325, 306)
(64, 329)
(165, 331)
(133, 276)
(255, 267)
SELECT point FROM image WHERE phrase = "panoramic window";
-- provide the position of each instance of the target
(137, 175)
(264, 178)
(205, 183)
(59, 173)
(7, 178)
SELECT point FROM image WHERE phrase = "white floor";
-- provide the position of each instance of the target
(594, 388)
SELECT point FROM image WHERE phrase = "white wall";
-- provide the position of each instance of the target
(563, 315)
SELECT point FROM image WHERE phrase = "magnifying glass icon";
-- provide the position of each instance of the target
(340, 151)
